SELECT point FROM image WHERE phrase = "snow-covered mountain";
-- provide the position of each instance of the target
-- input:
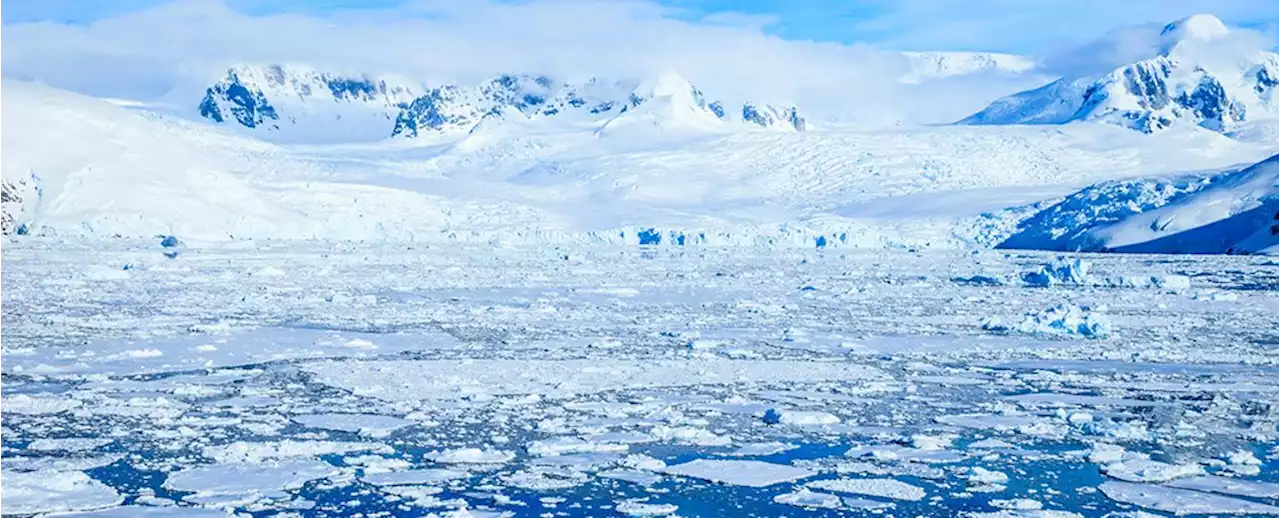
(667, 100)
(936, 65)
(1225, 212)
(1196, 78)
(302, 104)
(299, 103)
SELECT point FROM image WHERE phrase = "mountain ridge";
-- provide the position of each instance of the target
(1191, 80)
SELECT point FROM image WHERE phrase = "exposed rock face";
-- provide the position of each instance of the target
(306, 104)
(15, 195)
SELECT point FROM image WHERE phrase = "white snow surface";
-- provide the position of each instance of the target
(879, 487)
(408, 380)
(677, 174)
(1182, 501)
(52, 491)
(750, 473)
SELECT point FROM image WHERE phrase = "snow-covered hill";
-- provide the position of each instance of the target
(1226, 212)
(297, 103)
(1199, 76)
(667, 100)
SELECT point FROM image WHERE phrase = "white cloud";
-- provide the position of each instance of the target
(1038, 26)
(177, 49)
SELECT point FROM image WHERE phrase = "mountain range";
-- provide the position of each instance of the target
(299, 103)
(292, 151)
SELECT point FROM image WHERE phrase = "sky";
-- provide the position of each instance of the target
(800, 51)
(976, 25)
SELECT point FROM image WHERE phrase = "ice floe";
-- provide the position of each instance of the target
(750, 473)
(1181, 501)
(54, 491)
(878, 487)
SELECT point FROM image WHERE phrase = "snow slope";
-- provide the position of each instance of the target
(1227, 212)
(100, 169)
(1198, 76)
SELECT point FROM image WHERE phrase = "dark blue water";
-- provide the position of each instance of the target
(1056, 482)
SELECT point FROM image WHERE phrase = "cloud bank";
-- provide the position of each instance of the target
(172, 51)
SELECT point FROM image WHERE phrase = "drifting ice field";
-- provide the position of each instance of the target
(322, 379)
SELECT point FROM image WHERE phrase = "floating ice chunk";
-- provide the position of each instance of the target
(567, 445)
(979, 280)
(1061, 271)
(47, 463)
(269, 271)
(1228, 486)
(879, 487)
(750, 473)
(988, 421)
(471, 456)
(1017, 504)
(260, 452)
(1242, 458)
(803, 497)
(1138, 467)
(544, 479)
(638, 508)
(1181, 501)
(890, 452)
(689, 435)
(1039, 513)
(424, 496)
(148, 511)
(761, 448)
(39, 405)
(417, 380)
(631, 475)
(700, 344)
(52, 491)
(413, 477)
(932, 442)
(248, 479)
(1106, 453)
(68, 444)
(982, 476)
(366, 424)
(799, 418)
(1171, 282)
(642, 461)
(359, 343)
(1061, 320)
(990, 444)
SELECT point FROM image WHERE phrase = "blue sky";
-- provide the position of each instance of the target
(1021, 26)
